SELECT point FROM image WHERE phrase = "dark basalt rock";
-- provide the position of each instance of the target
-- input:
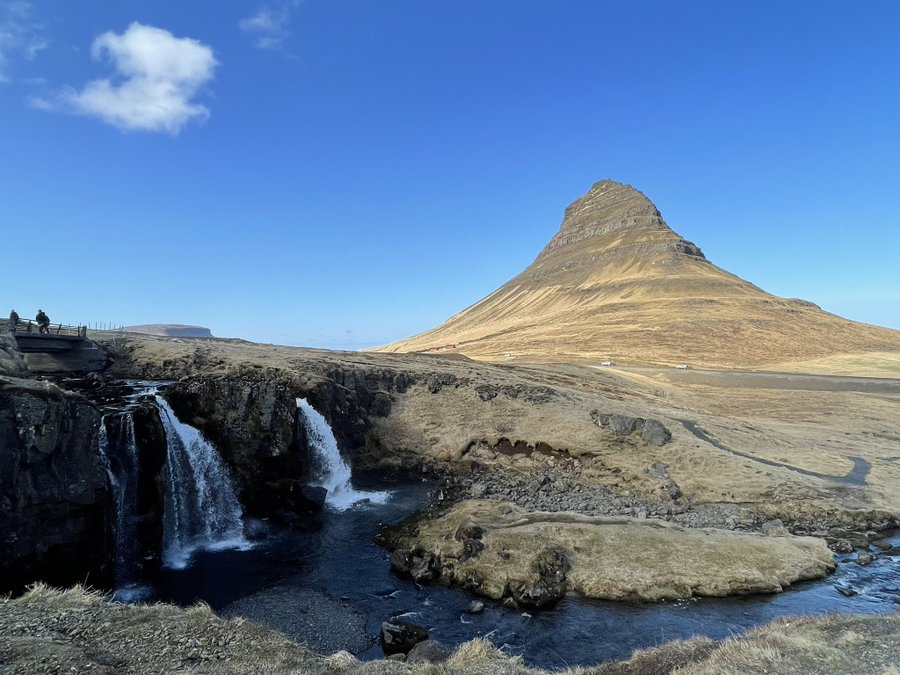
(552, 566)
(532, 394)
(54, 494)
(288, 500)
(150, 442)
(419, 565)
(251, 417)
(470, 536)
(428, 651)
(653, 432)
(438, 381)
(399, 637)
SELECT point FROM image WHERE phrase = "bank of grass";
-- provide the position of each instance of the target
(674, 562)
(830, 644)
(53, 631)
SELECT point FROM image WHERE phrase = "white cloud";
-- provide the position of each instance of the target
(20, 35)
(270, 24)
(157, 76)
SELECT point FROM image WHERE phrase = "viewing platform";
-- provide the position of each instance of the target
(58, 338)
(61, 348)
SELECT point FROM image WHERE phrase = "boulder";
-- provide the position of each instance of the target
(654, 433)
(421, 566)
(622, 425)
(854, 538)
(438, 381)
(486, 392)
(399, 637)
(552, 567)
(840, 546)
(428, 651)
(864, 558)
(774, 528)
(312, 497)
(288, 500)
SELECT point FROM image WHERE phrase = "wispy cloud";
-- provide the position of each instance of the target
(20, 34)
(270, 24)
(157, 76)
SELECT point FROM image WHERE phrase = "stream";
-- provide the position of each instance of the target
(331, 588)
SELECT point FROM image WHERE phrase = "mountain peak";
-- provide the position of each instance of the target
(610, 221)
(616, 283)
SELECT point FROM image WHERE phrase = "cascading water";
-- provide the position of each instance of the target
(201, 509)
(330, 470)
(120, 456)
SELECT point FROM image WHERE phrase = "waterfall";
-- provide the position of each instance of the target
(120, 458)
(330, 470)
(201, 509)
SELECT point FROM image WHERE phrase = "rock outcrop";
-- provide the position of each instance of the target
(54, 497)
(652, 432)
(11, 362)
(147, 475)
(252, 419)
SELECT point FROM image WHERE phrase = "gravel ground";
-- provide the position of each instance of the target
(555, 487)
(308, 617)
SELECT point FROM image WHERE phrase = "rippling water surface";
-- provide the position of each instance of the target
(340, 561)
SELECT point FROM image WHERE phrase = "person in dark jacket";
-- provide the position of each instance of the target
(13, 320)
(43, 322)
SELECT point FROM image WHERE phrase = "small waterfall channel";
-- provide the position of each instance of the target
(120, 456)
(200, 508)
(329, 469)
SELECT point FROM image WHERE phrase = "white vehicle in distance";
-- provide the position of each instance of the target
(607, 363)
(683, 366)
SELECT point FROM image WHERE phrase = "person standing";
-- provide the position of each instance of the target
(13, 320)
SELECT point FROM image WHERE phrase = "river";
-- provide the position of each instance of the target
(331, 587)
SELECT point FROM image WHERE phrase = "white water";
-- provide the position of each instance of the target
(201, 509)
(331, 471)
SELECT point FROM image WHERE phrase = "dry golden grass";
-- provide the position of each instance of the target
(830, 644)
(871, 364)
(675, 562)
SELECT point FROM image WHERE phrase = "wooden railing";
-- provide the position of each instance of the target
(31, 326)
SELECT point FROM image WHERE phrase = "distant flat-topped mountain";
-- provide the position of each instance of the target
(170, 330)
(616, 283)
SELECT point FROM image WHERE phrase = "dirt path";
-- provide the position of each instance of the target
(856, 476)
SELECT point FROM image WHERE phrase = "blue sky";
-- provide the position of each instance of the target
(344, 173)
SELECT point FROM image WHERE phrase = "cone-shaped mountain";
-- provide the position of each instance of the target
(616, 283)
